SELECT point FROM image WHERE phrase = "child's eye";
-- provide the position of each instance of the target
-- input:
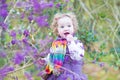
(69, 25)
(61, 26)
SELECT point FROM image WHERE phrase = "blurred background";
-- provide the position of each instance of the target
(25, 36)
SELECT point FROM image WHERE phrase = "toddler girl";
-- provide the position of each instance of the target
(65, 60)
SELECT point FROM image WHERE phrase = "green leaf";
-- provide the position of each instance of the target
(102, 46)
(118, 63)
(2, 62)
(102, 15)
(7, 38)
(10, 27)
(72, 0)
(18, 36)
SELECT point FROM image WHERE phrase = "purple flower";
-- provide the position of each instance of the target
(70, 9)
(28, 76)
(3, 54)
(10, 68)
(24, 40)
(14, 41)
(40, 6)
(13, 34)
(36, 5)
(58, 5)
(19, 4)
(2, 1)
(101, 64)
(51, 4)
(4, 26)
(94, 61)
(35, 51)
(28, 48)
(18, 58)
(42, 21)
(30, 18)
(5, 70)
(4, 6)
(67, 1)
(3, 11)
(45, 5)
(30, 0)
(26, 33)
(23, 4)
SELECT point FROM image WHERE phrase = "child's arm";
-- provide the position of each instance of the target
(76, 49)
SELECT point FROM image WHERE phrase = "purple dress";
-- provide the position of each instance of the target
(73, 63)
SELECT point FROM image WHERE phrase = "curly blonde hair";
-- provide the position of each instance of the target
(57, 16)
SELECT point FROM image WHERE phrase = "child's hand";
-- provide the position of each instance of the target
(56, 71)
(70, 38)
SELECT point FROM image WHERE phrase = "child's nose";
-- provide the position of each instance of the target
(66, 28)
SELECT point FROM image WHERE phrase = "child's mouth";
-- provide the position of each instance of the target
(66, 33)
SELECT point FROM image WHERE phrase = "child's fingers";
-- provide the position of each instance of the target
(56, 72)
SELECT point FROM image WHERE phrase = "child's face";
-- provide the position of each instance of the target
(65, 27)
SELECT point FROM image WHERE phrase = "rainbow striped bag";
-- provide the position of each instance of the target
(56, 58)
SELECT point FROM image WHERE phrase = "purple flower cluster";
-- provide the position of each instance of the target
(5, 70)
(18, 58)
(3, 13)
(45, 5)
(25, 41)
(101, 64)
(13, 41)
(3, 9)
(58, 5)
(30, 17)
(40, 6)
(13, 34)
(2, 54)
(3, 25)
(42, 21)
(26, 33)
